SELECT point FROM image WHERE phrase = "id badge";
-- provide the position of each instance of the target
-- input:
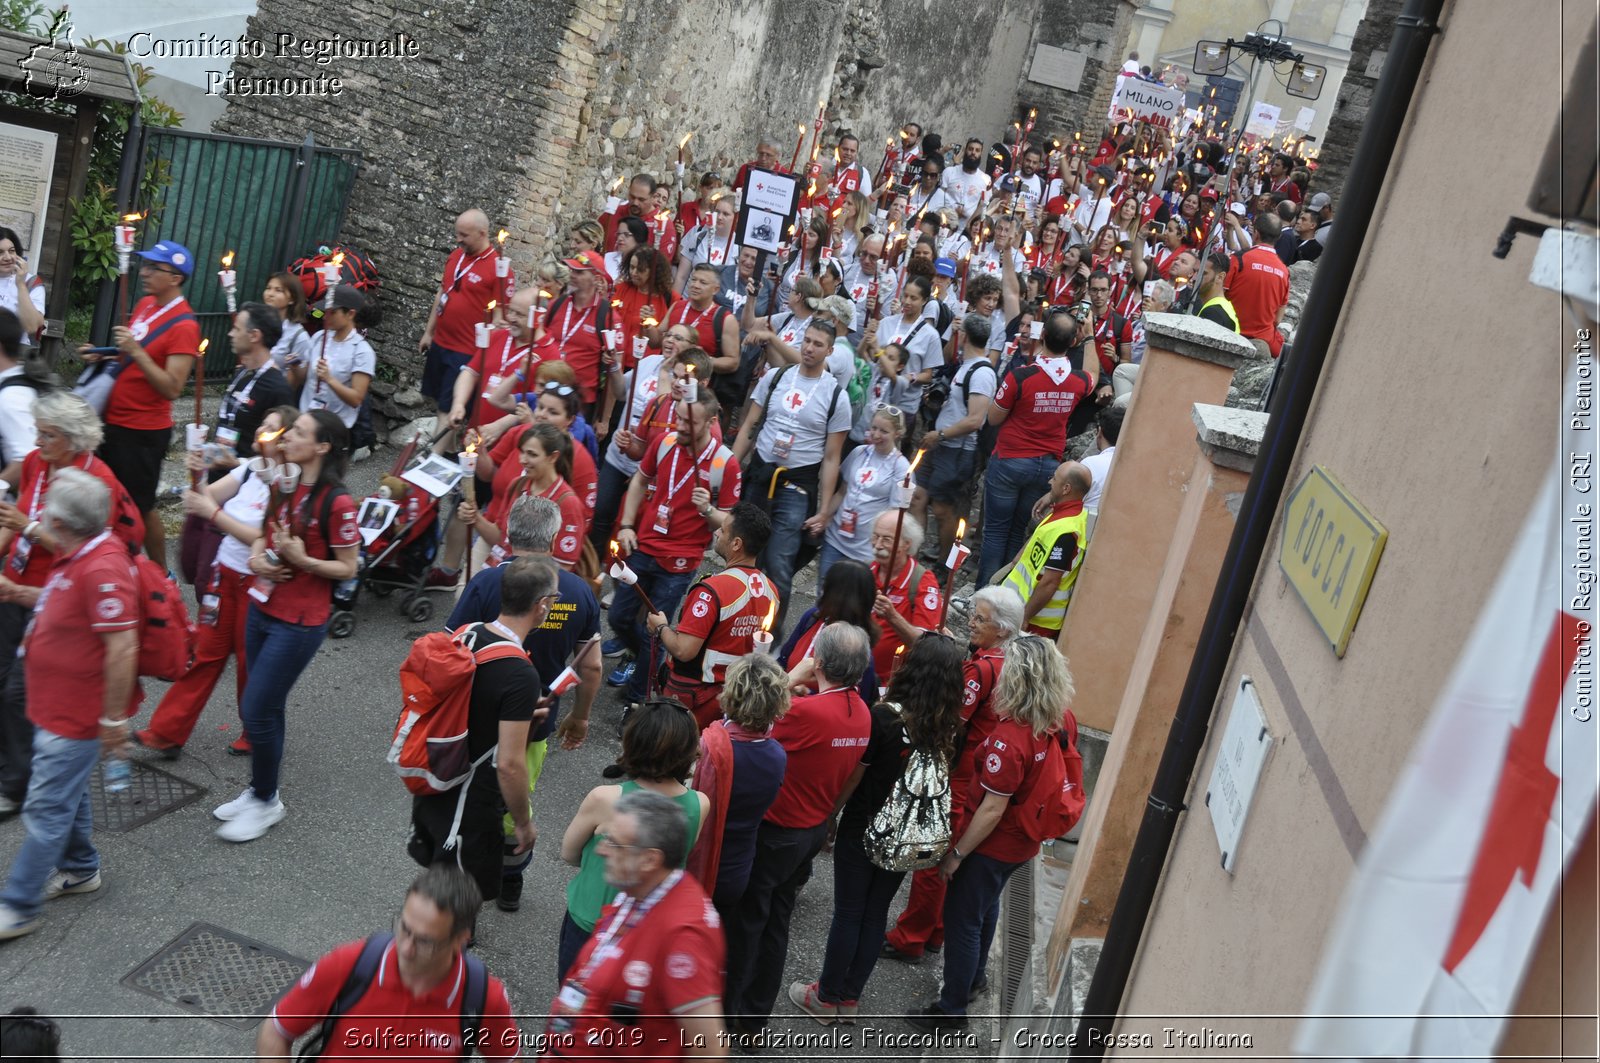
(494, 382)
(781, 447)
(572, 998)
(319, 403)
(22, 547)
(227, 437)
(847, 521)
(498, 555)
(444, 297)
(662, 513)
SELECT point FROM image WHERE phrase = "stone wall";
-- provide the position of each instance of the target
(1093, 33)
(1367, 51)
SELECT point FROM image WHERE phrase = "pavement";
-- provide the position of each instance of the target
(335, 870)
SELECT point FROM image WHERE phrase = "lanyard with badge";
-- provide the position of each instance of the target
(856, 492)
(140, 326)
(568, 329)
(237, 396)
(794, 400)
(574, 994)
(461, 271)
(22, 546)
(675, 484)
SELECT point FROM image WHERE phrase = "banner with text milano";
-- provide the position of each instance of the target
(1440, 920)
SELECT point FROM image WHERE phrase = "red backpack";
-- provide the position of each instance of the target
(355, 269)
(1055, 800)
(429, 750)
(167, 636)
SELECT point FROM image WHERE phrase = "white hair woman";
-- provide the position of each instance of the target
(997, 619)
(1031, 701)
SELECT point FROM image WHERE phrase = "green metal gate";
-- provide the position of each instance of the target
(268, 201)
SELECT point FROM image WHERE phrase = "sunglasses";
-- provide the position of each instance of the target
(558, 387)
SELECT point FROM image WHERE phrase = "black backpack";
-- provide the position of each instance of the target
(936, 392)
(360, 980)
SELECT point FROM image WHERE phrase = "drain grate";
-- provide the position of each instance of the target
(151, 793)
(212, 972)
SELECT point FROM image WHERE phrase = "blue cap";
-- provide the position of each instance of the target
(944, 267)
(173, 254)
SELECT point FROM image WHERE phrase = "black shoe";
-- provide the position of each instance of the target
(929, 1019)
(891, 953)
(510, 898)
(144, 740)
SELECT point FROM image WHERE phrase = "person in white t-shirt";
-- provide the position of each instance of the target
(790, 445)
(920, 338)
(708, 245)
(14, 281)
(869, 285)
(342, 363)
(965, 185)
(1099, 464)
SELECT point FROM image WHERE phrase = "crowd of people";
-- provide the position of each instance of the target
(662, 429)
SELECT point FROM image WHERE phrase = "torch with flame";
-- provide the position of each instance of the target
(623, 574)
(902, 500)
(230, 282)
(480, 329)
(957, 557)
(469, 469)
(196, 432)
(762, 640)
(613, 201)
(502, 264)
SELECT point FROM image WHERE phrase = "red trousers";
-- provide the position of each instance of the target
(921, 925)
(180, 710)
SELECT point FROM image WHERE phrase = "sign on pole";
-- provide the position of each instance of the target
(1263, 120)
(1147, 101)
(770, 201)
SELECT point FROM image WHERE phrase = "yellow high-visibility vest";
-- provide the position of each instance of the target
(1025, 573)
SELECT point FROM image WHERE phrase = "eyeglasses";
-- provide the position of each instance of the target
(151, 268)
(558, 387)
(424, 946)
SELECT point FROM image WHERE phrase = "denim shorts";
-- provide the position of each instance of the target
(948, 474)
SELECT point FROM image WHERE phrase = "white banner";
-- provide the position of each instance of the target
(1439, 922)
(1147, 100)
(1263, 120)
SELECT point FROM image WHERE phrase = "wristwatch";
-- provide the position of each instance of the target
(957, 853)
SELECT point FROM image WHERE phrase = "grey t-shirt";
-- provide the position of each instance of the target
(976, 377)
(798, 423)
(346, 358)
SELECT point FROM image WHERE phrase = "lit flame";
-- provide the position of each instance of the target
(772, 614)
(203, 345)
(651, 322)
(685, 141)
(614, 548)
(1031, 112)
(130, 218)
(961, 530)
(227, 260)
(616, 185)
(268, 437)
(501, 239)
(914, 463)
(802, 126)
(491, 306)
(616, 304)
(836, 211)
(543, 294)
(338, 259)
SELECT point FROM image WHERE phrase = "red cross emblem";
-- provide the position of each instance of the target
(858, 291)
(866, 477)
(794, 400)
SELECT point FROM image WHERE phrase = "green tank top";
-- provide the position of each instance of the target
(588, 893)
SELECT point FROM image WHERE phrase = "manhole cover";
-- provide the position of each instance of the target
(218, 974)
(151, 793)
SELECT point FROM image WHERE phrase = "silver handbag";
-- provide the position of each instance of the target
(912, 829)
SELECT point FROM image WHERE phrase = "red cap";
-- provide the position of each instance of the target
(587, 260)
(1056, 206)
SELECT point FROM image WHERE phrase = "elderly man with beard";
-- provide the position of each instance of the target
(908, 598)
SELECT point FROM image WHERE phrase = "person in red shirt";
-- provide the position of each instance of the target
(420, 991)
(158, 348)
(81, 655)
(1030, 704)
(508, 354)
(578, 320)
(639, 306)
(648, 982)
(545, 452)
(639, 204)
(825, 736)
(691, 211)
(767, 158)
(67, 431)
(908, 598)
(309, 544)
(471, 281)
(1258, 286)
(996, 620)
(1032, 407)
(720, 617)
(1279, 178)
(716, 327)
(684, 488)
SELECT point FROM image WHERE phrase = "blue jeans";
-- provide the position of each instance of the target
(862, 893)
(276, 652)
(666, 590)
(58, 818)
(971, 909)
(789, 509)
(1010, 488)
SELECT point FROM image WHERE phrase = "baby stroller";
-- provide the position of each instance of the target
(400, 554)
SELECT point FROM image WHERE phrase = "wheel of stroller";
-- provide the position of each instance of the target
(420, 608)
(381, 590)
(342, 624)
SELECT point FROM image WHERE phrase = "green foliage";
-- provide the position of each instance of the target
(92, 215)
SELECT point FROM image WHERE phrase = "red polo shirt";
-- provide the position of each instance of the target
(388, 1021)
(29, 564)
(704, 322)
(493, 364)
(673, 473)
(1006, 764)
(508, 467)
(1258, 286)
(919, 605)
(90, 594)
(825, 736)
(578, 339)
(468, 286)
(307, 598)
(133, 402)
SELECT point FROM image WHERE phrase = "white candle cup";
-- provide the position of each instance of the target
(564, 682)
(612, 203)
(502, 267)
(958, 556)
(1035, 329)
(613, 339)
(229, 278)
(469, 463)
(679, 169)
(194, 436)
(532, 312)
(480, 332)
(124, 239)
(902, 495)
(623, 574)
(262, 468)
(762, 643)
(288, 478)
(641, 344)
(691, 389)
(332, 273)
(882, 218)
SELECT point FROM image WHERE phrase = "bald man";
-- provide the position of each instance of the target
(469, 284)
(1046, 568)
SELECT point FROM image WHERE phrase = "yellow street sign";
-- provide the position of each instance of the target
(1330, 548)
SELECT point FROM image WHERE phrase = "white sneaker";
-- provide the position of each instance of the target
(234, 807)
(252, 821)
(61, 884)
(13, 925)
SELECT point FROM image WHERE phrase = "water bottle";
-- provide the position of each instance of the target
(119, 775)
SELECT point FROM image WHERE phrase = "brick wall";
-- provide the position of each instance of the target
(1098, 32)
(1355, 96)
